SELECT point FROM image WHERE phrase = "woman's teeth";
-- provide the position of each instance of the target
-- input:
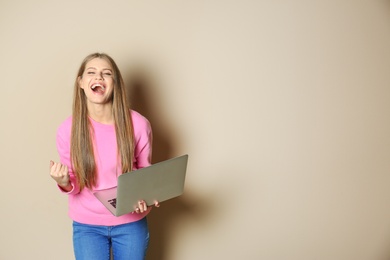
(97, 87)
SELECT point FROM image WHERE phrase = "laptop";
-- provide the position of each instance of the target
(159, 182)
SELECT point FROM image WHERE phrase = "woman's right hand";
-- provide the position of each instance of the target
(60, 174)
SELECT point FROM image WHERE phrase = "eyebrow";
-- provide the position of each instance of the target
(95, 68)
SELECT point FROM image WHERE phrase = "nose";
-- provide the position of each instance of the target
(99, 76)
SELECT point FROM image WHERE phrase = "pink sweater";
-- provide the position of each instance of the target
(83, 206)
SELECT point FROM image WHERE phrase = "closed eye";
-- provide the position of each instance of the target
(107, 72)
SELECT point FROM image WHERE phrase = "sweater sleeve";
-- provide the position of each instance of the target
(63, 148)
(143, 141)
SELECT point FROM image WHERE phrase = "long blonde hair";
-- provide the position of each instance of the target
(81, 150)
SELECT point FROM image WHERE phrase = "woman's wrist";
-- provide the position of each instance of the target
(66, 187)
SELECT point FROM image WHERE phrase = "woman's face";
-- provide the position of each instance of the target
(97, 81)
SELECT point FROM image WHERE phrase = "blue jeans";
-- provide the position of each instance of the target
(127, 241)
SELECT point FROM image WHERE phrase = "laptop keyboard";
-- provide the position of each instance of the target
(112, 202)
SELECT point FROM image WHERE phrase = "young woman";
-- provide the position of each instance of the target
(101, 140)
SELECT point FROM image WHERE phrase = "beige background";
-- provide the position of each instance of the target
(283, 107)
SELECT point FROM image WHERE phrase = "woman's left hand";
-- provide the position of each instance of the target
(142, 207)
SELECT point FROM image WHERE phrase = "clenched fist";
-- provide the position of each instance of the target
(60, 174)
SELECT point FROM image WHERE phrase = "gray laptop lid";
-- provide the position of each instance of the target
(158, 182)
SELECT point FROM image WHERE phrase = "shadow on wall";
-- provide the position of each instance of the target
(143, 98)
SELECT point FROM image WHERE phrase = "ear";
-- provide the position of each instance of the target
(79, 81)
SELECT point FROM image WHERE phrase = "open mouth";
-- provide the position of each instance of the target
(98, 88)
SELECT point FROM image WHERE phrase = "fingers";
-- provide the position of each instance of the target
(143, 207)
(59, 172)
(58, 169)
